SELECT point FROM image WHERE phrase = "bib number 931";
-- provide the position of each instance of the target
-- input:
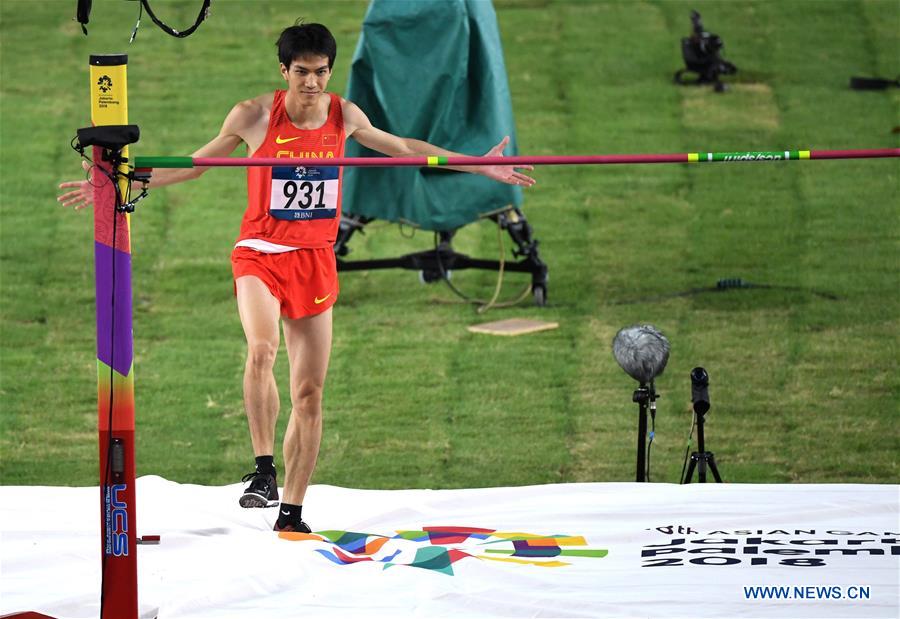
(302, 194)
(306, 190)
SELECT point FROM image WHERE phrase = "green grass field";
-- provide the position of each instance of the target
(804, 388)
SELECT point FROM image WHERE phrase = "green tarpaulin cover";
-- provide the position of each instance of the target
(431, 70)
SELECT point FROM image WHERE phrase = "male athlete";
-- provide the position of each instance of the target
(283, 262)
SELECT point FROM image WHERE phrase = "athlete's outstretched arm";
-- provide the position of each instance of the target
(232, 133)
(358, 126)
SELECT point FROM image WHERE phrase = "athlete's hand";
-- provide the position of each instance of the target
(81, 196)
(506, 173)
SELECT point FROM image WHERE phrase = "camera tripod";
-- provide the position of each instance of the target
(701, 459)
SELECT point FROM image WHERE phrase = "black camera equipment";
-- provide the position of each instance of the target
(701, 459)
(112, 139)
(873, 83)
(109, 137)
(701, 56)
(642, 351)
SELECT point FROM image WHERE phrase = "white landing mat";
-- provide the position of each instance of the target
(567, 550)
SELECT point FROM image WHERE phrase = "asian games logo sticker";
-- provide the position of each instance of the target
(105, 83)
(438, 548)
(306, 173)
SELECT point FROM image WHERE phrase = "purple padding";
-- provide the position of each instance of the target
(122, 336)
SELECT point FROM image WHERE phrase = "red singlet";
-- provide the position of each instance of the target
(294, 206)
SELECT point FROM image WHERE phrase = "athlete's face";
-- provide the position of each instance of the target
(307, 76)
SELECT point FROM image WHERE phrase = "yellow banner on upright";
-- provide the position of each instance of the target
(109, 97)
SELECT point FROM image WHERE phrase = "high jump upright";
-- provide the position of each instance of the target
(115, 358)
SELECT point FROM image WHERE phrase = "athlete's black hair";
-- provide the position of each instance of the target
(304, 39)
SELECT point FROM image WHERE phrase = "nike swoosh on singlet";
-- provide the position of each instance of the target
(323, 299)
(281, 140)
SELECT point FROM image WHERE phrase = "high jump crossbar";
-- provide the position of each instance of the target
(739, 156)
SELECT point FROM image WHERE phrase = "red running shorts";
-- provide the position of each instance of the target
(304, 281)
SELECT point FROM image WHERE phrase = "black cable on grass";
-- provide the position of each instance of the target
(687, 450)
(731, 283)
(484, 305)
(652, 435)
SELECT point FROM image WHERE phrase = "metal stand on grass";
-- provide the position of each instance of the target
(645, 397)
(435, 264)
(701, 459)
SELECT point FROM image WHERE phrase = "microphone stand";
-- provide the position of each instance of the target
(645, 396)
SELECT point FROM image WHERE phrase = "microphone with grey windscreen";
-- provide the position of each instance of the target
(642, 351)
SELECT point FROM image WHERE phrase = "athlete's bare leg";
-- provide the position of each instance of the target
(259, 312)
(308, 342)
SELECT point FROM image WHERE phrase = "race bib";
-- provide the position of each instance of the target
(302, 193)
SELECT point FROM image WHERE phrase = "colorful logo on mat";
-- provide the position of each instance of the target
(438, 548)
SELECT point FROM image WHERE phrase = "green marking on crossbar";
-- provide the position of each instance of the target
(163, 162)
(437, 160)
(773, 155)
